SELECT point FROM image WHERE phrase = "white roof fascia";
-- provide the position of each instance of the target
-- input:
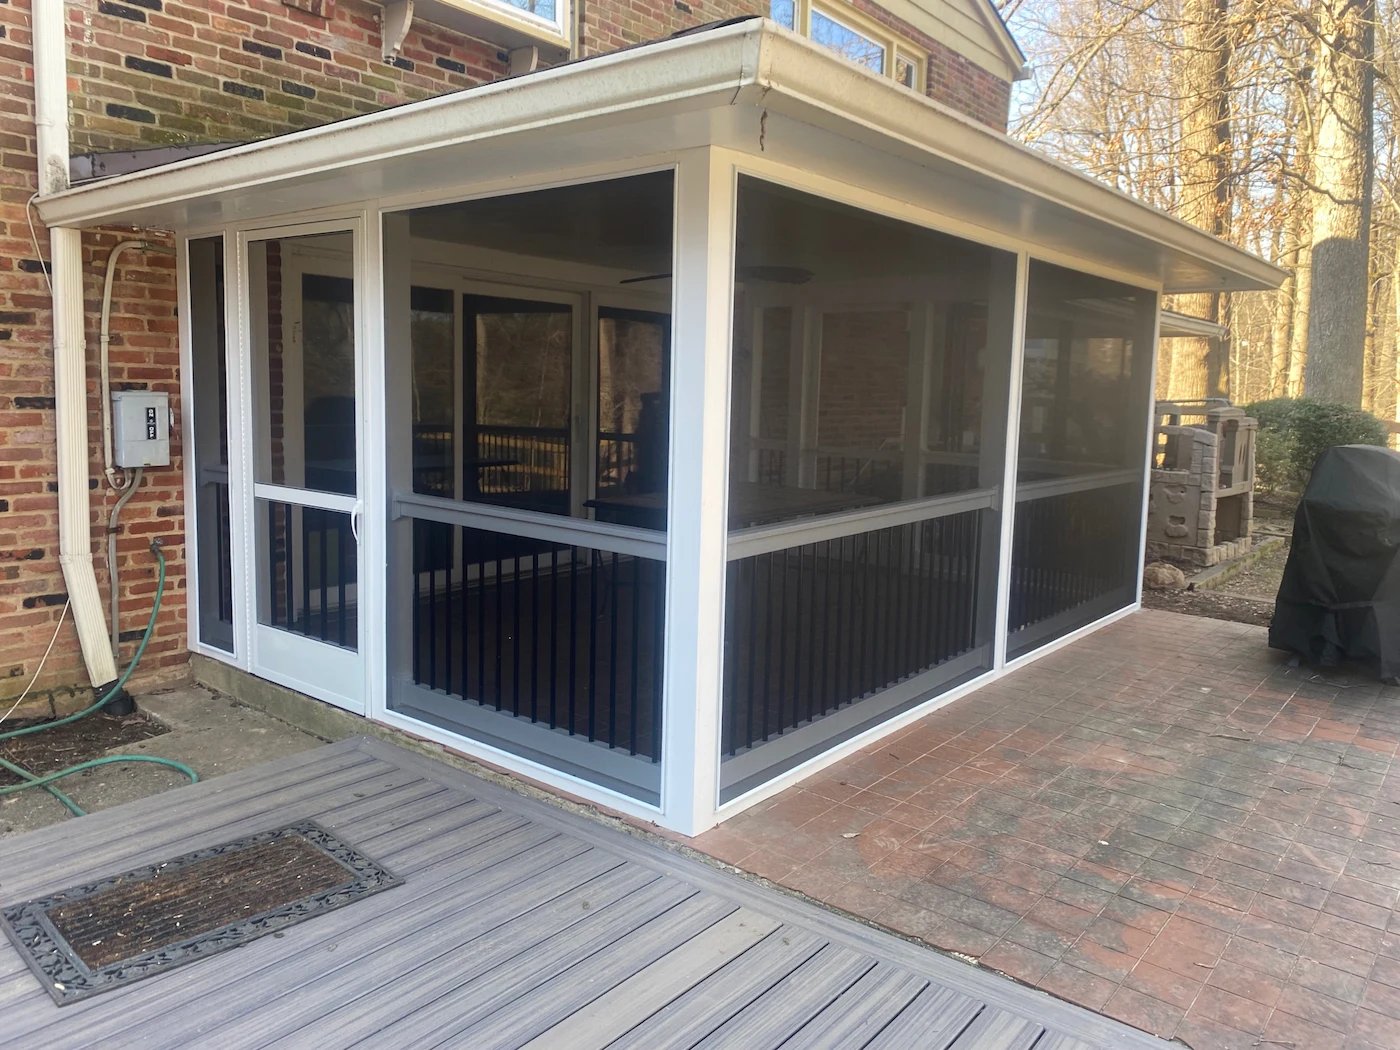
(752, 64)
(696, 71)
(793, 72)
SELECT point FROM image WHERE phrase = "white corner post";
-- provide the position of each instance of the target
(389, 553)
(1150, 329)
(1011, 451)
(698, 490)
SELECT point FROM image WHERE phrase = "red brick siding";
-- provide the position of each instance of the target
(612, 24)
(864, 379)
(173, 71)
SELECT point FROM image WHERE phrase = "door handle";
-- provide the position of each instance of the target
(355, 513)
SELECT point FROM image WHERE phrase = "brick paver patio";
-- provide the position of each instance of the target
(1163, 822)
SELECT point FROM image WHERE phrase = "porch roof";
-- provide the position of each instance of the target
(750, 86)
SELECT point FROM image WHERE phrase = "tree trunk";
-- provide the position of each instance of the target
(1343, 167)
(1200, 366)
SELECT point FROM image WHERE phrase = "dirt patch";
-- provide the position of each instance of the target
(1249, 596)
(1261, 580)
(87, 738)
(1215, 604)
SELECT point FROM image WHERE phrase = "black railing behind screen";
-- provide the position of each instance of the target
(813, 629)
(223, 552)
(943, 478)
(867, 474)
(432, 459)
(568, 637)
(617, 460)
(772, 466)
(1071, 549)
(311, 573)
(505, 460)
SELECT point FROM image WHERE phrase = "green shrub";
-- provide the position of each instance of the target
(1293, 432)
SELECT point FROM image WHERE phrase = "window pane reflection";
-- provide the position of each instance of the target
(846, 42)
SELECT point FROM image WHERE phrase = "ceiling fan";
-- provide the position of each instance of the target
(776, 274)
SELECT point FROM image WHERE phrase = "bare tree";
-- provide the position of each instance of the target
(1343, 168)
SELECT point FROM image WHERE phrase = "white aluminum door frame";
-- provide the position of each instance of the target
(320, 669)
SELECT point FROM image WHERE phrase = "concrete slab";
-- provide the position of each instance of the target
(209, 731)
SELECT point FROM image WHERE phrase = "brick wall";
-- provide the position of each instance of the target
(612, 24)
(159, 72)
(950, 78)
(165, 71)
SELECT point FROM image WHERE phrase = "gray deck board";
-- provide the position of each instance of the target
(862, 1011)
(695, 1014)
(932, 1021)
(517, 924)
(770, 1020)
(202, 806)
(500, 836)
(361, 824)
(999, 1030)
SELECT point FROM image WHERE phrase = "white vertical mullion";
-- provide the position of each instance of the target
(796, 355)
(242, 506)
(394, 543)
(1155, 313)
(809, 399)
(757, 316)
(1013, 442)
(917, 409)
(372, 382)
(584, 420)
(188, 445)
(698, 490)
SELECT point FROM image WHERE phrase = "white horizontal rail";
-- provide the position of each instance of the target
(1103, 479)
(577, 532)
(334, 501)
(766, 539)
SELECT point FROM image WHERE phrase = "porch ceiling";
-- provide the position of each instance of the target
(749, 86)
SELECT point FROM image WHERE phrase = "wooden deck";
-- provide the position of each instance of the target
(517, 925)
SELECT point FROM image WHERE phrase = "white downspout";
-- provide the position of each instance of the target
(69, 347)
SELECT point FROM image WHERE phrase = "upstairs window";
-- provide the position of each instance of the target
(854, 37)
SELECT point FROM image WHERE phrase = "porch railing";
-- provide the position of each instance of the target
(1074, 553)
(553, 628)
(311, 573)
(835, 624)
(509, 459)
(215, 554)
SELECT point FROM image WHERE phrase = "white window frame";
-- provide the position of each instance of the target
(456, 14)
(843, 14)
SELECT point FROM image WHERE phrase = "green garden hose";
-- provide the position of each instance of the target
(47, 781)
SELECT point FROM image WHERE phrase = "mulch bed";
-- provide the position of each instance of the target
(89, 737)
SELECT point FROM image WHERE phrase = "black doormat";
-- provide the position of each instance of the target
(105, 934)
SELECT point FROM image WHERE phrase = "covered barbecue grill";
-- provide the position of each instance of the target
(1340, 595)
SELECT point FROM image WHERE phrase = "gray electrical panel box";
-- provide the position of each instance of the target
(141, 428)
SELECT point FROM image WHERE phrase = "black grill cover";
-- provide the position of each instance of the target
(1340, 595)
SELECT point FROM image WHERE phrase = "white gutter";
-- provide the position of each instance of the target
(69, 347)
